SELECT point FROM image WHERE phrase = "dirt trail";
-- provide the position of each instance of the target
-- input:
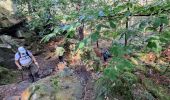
(47, 68)
(87, 81)
(16, 89)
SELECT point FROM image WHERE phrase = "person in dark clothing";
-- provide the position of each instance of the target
(106, 55)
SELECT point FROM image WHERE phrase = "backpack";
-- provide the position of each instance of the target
(26, 55)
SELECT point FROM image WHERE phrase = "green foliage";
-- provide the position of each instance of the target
(71, 28)
(105, 19)
(154, 44)
(157, 90)
(54, 82)
(129, 78)
(117, 66)
(117, 77)
(95, 36)
(7, 76)
(164, 37)
(121, 86)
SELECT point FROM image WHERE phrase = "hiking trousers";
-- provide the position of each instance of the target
(32, 71)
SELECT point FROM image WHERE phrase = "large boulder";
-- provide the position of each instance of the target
(9, 5)
(7, 8)
(55, 88)
(9, 23)
(7, 76)
(8, 47)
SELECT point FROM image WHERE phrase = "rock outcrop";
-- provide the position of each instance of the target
(55, 88)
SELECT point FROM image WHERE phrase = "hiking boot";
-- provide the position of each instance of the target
(37, 75)
(31, 78)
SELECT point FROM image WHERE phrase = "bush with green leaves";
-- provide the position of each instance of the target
(155, 43)
(117, 77)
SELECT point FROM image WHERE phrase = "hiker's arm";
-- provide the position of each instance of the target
(18, 65)
(33, 58)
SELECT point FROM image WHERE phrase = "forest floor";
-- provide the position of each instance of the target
(47, 68)
(87, 77)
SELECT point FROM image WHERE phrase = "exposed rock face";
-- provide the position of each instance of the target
(9, 24)
(8, 46)
(8, 5)
(54, 88)
(7, 8)
(7, 76)
(7, 58)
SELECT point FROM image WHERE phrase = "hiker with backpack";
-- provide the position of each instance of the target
(25, 61)
(59, 52)
(106, 54)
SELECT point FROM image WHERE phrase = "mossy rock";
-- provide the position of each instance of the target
(54, 88)
(7, 76)
(157, 90)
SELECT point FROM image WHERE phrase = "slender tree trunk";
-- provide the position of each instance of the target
(81, 32)
(127, 20)
(81, 28)
(97, 43)
(126, 39)
(161, 28)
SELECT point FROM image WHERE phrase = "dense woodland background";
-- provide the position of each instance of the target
(136, 33)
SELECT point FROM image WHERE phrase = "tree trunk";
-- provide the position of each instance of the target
(126, 39)
(127, 20)
(161, 28)
(81, 28)
(81, 33)
(97, 43)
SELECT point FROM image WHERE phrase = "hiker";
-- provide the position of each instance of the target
(106, 55)
(25, 61)
(59, 52)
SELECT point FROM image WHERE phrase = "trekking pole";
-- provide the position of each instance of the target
(22, 75)
(21, 72)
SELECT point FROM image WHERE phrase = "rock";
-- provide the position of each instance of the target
(54, 88)
(7, 58)
(8, 5)
(7, 8)
(8, 47)
(12, 98)
(23, 34)
(8, 23)
(9, 41)
(65, 72)
(7, 76)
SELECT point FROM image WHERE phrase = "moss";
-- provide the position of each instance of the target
(129, 78)
(157, 90)
(55, 83)
(139, 93)
(7, 76)
(141, 68)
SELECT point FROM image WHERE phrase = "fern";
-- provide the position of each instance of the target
(48, 37)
